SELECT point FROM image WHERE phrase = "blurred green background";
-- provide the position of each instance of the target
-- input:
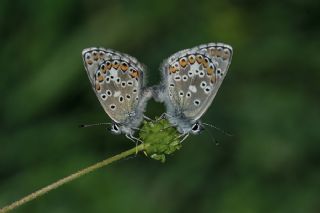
(269, 101)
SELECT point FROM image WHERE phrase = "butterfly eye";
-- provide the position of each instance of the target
(115, 129)
(196, 129)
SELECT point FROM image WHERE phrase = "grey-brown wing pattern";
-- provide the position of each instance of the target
(194, 77)
(117, 80)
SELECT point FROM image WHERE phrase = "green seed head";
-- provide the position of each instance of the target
(160, 137)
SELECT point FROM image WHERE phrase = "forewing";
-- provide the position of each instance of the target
(117, 80)
(193, 77)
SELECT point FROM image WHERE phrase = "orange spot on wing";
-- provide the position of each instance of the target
(213, 78)
(89, 62)
(100, 78)
(183, 62)
(199, 59)
(103, 68)
(172, 69)
(210, 69)
(98, 88)
(205, 62)
(192, 59)
(134, 74)
(108, 65)
(115, 65)
(124, 67)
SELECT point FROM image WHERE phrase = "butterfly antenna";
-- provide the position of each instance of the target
(212, 137)
(90, 125)
(217, 128)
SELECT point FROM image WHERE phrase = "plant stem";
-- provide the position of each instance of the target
(71, 177)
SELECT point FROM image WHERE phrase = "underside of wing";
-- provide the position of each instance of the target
(192, 79)
(117, 80)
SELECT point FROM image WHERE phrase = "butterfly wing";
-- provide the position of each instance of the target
(117, 80)
(192, 78)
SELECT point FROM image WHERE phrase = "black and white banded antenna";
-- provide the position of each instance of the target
(91, 125)
(217, 128)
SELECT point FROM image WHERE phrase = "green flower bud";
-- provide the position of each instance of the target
(161, 139)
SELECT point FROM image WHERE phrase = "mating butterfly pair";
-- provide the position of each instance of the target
(191, 79)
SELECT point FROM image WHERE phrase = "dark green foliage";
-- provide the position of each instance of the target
(269, 101)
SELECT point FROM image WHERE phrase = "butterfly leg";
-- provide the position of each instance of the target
(164, 116)
(147, 118)
(184, 136)
(133, 139)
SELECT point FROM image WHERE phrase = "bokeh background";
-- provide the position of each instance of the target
(269, 101)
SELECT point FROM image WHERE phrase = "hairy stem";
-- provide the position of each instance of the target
(71, 177)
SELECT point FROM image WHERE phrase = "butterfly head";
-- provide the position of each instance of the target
(115, 129)
(118, 129)
(186, 126)
(196, 128)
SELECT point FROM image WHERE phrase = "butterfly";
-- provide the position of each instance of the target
(191, 79)
(118, 82)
